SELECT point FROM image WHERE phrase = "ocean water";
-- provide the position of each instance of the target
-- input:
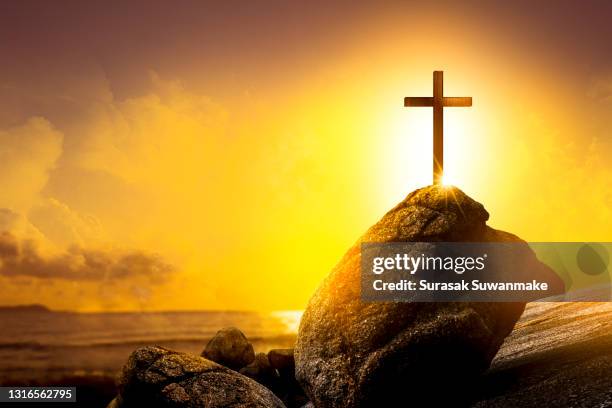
(41, 346)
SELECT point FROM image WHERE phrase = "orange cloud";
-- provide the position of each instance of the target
(23, 258)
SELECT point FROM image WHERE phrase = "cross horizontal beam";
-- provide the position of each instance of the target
(457, 101)
(418, 101)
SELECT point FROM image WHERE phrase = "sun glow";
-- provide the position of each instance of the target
(289, 318)
(447, 180)
(410, 147)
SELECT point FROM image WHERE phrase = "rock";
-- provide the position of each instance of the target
(157, 377)
(351, 353)
(261, 371)
(282, 359)
(114, 403)
(282, 382)
(229, 347)
(290, 390)
(296, 400)
(556, 351)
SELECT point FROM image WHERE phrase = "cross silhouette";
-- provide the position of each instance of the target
(438, 102)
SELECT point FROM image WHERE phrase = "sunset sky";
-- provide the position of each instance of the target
(224, 155)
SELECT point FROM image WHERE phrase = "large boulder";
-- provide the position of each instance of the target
(157, 377)
(229, 347)
(351, 353)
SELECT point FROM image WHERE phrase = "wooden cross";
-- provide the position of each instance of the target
(438, 102)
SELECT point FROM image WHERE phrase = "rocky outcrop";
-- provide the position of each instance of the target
(230, 348)
(559, 355)
(157, 377)
(351, 353)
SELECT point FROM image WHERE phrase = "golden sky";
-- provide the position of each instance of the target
(224, 155)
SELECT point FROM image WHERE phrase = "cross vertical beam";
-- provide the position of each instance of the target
(438, 127)
(438, 102)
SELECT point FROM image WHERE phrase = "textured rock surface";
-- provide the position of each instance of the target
(157, 377)
(282, 359)
(229, 347)
(350, 353)
(276, 371)
(289, 389)
(559, 355)
(261, 371)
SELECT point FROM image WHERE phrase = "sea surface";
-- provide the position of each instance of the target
(38, 346)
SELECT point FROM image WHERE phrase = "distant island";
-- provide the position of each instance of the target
(26, 308)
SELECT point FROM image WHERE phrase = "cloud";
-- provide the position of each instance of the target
(27, 252)
(42, 237)
(20, 257)
(601, 88)
(27, 155)
(64, 226)
(18, 225)
(159, 139)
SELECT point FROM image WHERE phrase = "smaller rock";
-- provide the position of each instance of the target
(261, 371)
(229, 347)
(282, 359)
(290, 390)
(297, 401)
(158, 377)
(281, 382)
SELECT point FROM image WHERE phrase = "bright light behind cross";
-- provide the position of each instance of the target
(438, 102)
(411, 148)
